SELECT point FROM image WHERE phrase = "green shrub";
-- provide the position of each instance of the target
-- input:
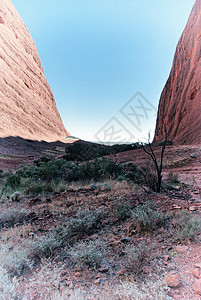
(13, 216)
(86, 222)
(44, 246)
(49, 187)
(132, 173)
(147, 218)
(122, 212)
(90, 253)
(34, 189)
(83, 151)
(186, 226)
(13, 180)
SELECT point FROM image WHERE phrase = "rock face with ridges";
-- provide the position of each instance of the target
(180, 103)
(27, 105)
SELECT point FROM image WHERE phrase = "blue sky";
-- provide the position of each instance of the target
(98, 54)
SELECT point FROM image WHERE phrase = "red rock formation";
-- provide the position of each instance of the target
(180, 103)
(27, 105)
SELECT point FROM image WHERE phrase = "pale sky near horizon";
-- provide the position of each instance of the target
(98, 54)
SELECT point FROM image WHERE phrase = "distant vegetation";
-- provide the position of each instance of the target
(82, 151)
(83, 162)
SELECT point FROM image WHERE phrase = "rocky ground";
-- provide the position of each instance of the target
(172, 262)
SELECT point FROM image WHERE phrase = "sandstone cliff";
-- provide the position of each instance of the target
(27, 105)
(180, 102)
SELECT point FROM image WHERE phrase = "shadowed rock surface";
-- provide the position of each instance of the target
(180, 103)
(27, 105)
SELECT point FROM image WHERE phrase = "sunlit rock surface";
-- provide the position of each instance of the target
(27, 105)
(180, 104)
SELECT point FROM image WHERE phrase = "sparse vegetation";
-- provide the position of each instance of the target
(69, 224)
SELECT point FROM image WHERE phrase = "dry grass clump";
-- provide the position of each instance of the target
(135, 257)
(90, 253)
(122, 211)
(149, 290)
(12, 216)
(186, 226)
(44, 246)
(15, 260)
(7, 286)
(146, 217)
(122, 290)
(86, 222)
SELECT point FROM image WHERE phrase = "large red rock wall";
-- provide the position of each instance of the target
(27, 105)
(180, 103)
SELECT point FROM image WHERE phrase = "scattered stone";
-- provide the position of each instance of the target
(97, 281)
(173, 279)
(33, 217)
(94, 237)
(181, 249)
(69, 204)
(34, 201)
(103, 269)
(197, 273)
(197, 286)
(166, 257)
(126, 240)
(121, 272)
(197, 270)
(193, 208)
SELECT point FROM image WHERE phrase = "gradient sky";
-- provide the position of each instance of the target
(97, 54)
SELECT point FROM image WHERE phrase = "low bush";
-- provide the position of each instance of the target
(34, 189)
(146, 217)
(132, 173)
(13, 180)
(135, 257)
(173, 178)
(86, 222)
(15, 260)
(44, 246)
(90, 253)
(13, 216)
(122, 212)
(186, 226)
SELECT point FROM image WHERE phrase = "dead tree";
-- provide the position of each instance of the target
(158, 164)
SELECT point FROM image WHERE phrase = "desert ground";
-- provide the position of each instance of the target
(103, 238)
